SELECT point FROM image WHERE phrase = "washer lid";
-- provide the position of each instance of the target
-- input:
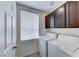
(66, 43)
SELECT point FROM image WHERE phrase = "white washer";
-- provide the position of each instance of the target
(64, 46)
(43, 43)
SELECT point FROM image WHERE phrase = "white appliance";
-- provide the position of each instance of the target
(64, 46)
(43, 43)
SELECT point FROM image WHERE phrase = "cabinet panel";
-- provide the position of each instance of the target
(47, 22)
(73, 14)
(60, 17)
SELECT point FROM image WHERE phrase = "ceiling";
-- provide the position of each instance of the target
(46, 6)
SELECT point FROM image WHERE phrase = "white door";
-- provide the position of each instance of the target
(9, 42)
(7, 31)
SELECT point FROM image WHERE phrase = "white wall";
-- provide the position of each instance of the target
(42, 24)
(67, 31)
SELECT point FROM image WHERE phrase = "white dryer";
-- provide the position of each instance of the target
(43, 43)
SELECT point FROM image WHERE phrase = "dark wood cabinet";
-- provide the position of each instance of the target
(66, 16)
(59, 19)
(73, 14)
(49, 21)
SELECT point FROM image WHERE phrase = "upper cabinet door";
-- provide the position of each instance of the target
(73, 14)
(47, 22)
(60, 17)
